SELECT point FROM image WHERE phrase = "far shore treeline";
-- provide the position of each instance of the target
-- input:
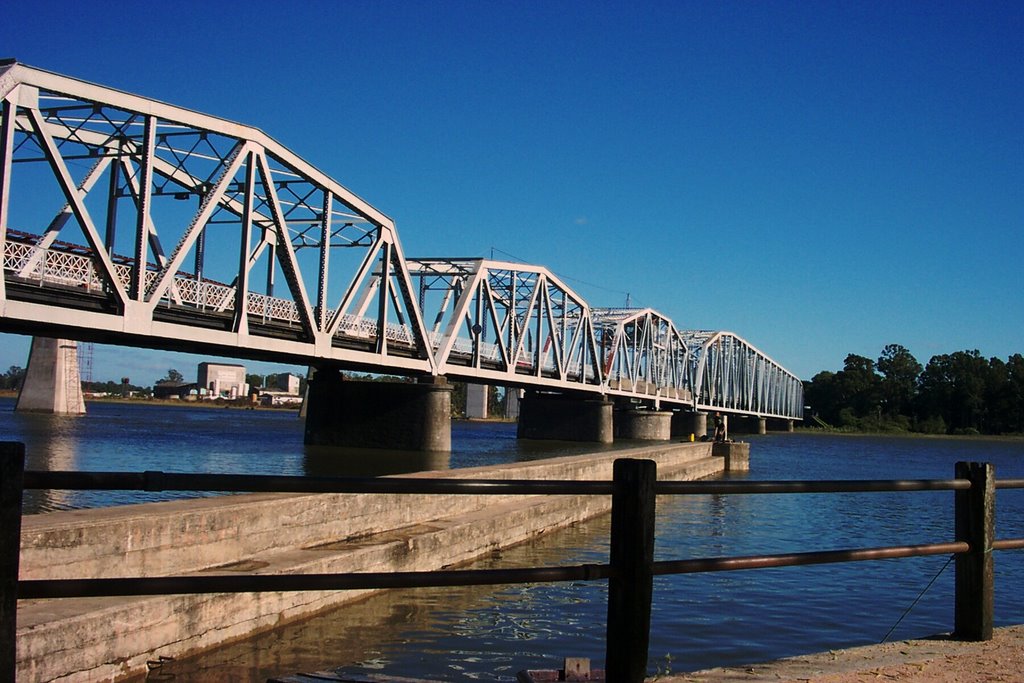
(957, 393)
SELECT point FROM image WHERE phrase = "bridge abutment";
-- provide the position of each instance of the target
(565, 418)
(685, 423)
(643, 425)
(393, 415)
(52, 383)
(735, 453)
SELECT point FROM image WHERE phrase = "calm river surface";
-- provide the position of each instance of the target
(478, 633)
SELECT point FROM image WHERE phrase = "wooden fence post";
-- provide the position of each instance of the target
(975, 524)
(12, 471)
(631, 585)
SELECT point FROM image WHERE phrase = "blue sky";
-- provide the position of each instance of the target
(819, 178)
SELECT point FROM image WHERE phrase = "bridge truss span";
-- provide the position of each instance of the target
(512, 323)
(130, 221)
(643, 355)
(729, 374)
(168, 227)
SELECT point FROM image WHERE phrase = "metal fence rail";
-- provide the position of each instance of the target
(630, 571)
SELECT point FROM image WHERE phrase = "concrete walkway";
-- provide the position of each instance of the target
(931, 659)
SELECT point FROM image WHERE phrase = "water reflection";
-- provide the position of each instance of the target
(51, 443)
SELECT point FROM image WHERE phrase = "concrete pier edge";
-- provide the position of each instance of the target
(112, 638)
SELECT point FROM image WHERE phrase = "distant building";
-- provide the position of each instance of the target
(287, 392)
(288, 383)
(227, 381)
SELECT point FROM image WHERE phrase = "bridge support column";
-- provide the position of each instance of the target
(476, 401)
(685, 423)
(52, 383)
(512, 395)
(391, 415)
(564, 418)
(749, 424)
(780, 424)
(645, 425)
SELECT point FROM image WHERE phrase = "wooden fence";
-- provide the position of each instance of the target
(629, 572)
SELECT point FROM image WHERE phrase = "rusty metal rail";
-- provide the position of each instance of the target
(155, 480)
(630, 571)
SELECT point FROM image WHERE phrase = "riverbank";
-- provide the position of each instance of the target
(939, 658)
(817, 431)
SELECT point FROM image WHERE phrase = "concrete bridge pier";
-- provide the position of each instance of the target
(749, 424)
(685, 423)
(476, 401)
(643, 425)
(564, 417)
(392, 415)
(52, 383)
(780, 425)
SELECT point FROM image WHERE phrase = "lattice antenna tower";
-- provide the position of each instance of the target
(85, 361)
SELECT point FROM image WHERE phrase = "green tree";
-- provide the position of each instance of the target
(458, 399)
(898, 386)
(173, 376)
(858, 385)
(822, 394)
(12, 378)
(1015, 393)
(952, 386)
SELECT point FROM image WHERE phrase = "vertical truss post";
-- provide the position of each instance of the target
(112, 189)
(9, 111)
(382, 302)
(477, 328)
(325, 250)
(242, 281)
(145, 201)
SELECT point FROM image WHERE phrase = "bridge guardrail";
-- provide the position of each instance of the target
(630, 569)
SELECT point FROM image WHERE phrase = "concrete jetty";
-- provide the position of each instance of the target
(102, 639)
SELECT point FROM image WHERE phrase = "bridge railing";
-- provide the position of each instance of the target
(54, 266)
(629, 572)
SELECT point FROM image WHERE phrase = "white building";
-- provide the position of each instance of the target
(223, 380)
(288, 383)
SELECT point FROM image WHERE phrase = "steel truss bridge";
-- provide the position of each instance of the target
(129, 221)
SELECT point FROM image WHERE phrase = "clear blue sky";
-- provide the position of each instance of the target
(820, 178)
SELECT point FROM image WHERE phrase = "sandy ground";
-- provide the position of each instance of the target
(932, 659)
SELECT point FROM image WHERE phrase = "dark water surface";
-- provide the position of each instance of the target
(487, 633)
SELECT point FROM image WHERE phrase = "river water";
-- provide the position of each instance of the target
(482, 633)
